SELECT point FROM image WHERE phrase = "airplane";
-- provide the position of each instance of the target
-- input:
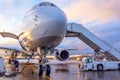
(45, 26)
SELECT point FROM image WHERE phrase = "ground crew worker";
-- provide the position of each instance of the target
(16, 65)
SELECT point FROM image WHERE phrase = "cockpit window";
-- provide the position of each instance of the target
(46, 4)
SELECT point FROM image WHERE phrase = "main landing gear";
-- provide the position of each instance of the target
(43, 67)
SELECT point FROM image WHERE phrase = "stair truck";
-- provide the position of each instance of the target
(90, 63)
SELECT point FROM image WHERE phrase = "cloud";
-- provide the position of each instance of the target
(9, 25)
(93, 10)
(7, 1)
(73, 43)
(9, 43)
(99, 16)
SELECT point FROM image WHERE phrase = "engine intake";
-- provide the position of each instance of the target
(62, 56)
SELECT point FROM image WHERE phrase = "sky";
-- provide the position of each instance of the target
(101, 17)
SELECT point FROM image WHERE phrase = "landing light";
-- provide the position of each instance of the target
(78, 59)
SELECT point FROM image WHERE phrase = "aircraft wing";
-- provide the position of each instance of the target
(66, 49)
(7, 34)
(10, 48)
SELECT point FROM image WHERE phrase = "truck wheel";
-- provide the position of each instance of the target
(99, 67)
(119, 66)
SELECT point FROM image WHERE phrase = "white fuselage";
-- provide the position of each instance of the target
(44, 26)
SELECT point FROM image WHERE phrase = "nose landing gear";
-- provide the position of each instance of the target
(40, 70)
(46, 69)
(43, 67)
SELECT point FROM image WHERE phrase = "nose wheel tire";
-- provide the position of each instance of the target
(48, 70)
(41, 70)
(44, 68)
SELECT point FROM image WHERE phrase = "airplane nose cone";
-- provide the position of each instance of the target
(47, 26)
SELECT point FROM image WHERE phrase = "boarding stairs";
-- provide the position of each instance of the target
(77, 30)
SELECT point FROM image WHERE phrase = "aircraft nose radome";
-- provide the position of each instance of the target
(48, 26)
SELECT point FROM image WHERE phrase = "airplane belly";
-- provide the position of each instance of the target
(44, 41)
(47, 42)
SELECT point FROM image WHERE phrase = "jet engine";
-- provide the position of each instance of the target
(63, 55)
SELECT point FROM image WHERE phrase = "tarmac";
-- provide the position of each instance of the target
(63, 72)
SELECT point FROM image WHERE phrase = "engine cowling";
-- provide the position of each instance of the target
(63, 55)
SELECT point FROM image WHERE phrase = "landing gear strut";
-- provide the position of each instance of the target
(43, 67)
